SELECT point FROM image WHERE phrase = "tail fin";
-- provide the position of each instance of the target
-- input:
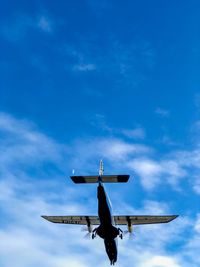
(104, 179)
(101, 170)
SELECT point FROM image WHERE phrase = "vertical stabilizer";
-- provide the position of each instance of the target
(101, 168)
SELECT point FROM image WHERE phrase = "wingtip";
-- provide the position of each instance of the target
(174, 217)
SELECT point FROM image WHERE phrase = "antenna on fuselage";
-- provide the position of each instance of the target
(101, 170)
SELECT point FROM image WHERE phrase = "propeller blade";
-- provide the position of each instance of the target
(131, 235)
(87, 236)
(86, 229)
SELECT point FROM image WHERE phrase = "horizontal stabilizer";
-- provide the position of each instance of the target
(136, 220)
(104, 179)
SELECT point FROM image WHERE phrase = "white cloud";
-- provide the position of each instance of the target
(196, 185)
(21, 143)
(197, 224)
(137, 133)
(26, 194)
(99, 121)
(45, 24)
(118, 149)
(87, 153)
(151, 171)
(84, 67)
(165, 139)
(148, 170)
(161, 261)
(192, 246)
(162, 112)
(82, 60)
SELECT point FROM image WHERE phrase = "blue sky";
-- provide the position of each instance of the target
(92, 80)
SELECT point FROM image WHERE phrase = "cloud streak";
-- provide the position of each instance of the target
(162, 112)
(119, 59)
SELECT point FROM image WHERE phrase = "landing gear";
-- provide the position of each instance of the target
(94, 233)
(120, 233)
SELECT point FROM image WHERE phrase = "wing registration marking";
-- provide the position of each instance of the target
(71, 222)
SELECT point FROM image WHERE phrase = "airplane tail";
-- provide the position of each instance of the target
(103, 178)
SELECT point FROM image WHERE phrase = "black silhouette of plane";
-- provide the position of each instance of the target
(107, 223)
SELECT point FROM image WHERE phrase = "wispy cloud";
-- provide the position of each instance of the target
(26, 145)
(196, 185)
(115, 151)
(100, 121)
(82, 61)
(84, 67)
(197, 101)
(45, 24)
(137, 133)
(166, 139)
(16, 29)
(162, 112)
(119, 59)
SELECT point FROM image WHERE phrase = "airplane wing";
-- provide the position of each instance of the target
(136, 220)
(119, 220)
(81, 220)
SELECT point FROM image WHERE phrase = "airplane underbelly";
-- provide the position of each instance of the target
(104, 209)
(107, 231)
(104, 214)
(111, 249)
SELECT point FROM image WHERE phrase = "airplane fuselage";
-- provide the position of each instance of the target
(106, 229)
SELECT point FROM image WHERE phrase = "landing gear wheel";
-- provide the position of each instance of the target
(94, 233)
(120, 233)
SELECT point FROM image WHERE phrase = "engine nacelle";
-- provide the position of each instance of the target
(130, 228)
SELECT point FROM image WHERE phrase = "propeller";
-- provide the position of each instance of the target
(87, 236)
(131, 235)
(130, 232)
(87, 229)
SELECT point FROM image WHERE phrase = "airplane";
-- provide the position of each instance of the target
(107, 223)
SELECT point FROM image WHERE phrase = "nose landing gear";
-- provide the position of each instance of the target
(94, 233)
(120, 233)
